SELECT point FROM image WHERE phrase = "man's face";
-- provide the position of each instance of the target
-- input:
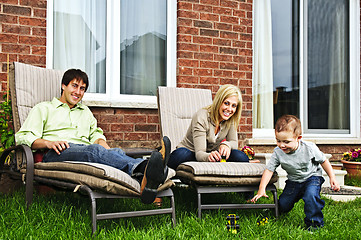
(287, 141)
(73, 93)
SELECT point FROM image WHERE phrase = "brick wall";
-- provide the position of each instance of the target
(214, 44)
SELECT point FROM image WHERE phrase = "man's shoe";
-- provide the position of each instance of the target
(153, 177)
(165, 151)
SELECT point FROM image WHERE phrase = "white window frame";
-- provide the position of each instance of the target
(354, 17)
(112, 97)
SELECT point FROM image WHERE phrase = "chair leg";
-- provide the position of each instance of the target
(199, 205)
(174, 222)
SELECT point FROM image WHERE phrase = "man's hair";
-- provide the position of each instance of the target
(72, 74)
(289, 123)
(222, 94)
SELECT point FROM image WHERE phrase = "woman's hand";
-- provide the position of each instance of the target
(224, 150)
(214, 156)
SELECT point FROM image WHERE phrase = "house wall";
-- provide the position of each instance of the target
(214, 47)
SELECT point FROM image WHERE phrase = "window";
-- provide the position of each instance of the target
(306, 64)
(126, 47)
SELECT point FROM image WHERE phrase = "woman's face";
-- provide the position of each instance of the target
(228, 108)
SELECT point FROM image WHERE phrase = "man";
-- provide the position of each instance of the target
(67, 130)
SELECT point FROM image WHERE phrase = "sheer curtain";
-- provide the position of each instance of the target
(80, 39)
(142, 46)
(262, 73)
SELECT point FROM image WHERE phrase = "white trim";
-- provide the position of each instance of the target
(112, 98)
(49, 33)
(324, 136)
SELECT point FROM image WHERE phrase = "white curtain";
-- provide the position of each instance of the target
(142, 46)
(80, 39)
(262, 73)
(338, 111)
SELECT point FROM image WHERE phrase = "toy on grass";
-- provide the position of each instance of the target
(263, 221)
(232, 225)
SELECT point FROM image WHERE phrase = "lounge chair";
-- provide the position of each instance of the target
(30, 85)
(176, 107)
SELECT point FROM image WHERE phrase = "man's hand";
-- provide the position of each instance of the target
(259, 195)
(57, 146)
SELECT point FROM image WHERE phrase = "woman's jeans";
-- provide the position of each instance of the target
(95, 153)
(309, 191)
(181, 155)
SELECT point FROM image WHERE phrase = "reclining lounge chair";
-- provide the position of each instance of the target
(176, 107)
(30, 85)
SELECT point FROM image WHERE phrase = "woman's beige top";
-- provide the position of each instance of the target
(201, 138)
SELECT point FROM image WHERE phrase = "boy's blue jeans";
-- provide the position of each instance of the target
(95, 153)
(181, 155)
(309, 191)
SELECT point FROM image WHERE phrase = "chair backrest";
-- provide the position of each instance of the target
(176, 107)
(30, 85)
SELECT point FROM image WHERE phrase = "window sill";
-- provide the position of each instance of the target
(325, 141)
(120, 104)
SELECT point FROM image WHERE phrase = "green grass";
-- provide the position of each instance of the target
(66, 216)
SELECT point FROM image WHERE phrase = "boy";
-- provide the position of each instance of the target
(301, 160)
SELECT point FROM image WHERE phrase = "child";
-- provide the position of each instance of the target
(301, 160)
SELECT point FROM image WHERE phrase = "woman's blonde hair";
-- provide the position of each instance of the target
(222, 94)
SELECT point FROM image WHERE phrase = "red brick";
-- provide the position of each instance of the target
(210, 2)
(121, 127)
(203, 24)
(184, 38)
(202, 40)
(40, 13)
(209, 17)
(32, 3)
(17, 10)
(222, 42)
(209, 64)
(185, 6)
(10, 28)
(187, 79)
(145, 128)
(184, 22)
(227, 19)
(222, 10)
(5, 18)
(209, 80)
(32, 40)
(188, 47)
(202, 8)
(227, 50)
(209, 32)
(209, 49)
(188, 14)
(223, 26)
(223, 58)
(39, 22)
(154, 137)
(203, 56)
(203, 72)
(239, 13)
(229, 35)
(185, 71)
(8, 38)
(229, 66)
(135, 119)
(188, 63)
(38, 50)
(188, 30)
(152, 119)
(39, 32)
(230, 4)
(135, 136)
(12, 48)
(185, 54)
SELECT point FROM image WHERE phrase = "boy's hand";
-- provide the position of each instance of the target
(258, 196)
(334, 185)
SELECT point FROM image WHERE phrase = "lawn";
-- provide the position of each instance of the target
(66, 216)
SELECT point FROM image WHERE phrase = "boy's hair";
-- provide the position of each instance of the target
(77, 74)
(222, 94)
(289, 123)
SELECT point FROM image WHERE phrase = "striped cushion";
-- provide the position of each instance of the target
(176, 108)
(28, 79)
(95, 175)
(223, 169)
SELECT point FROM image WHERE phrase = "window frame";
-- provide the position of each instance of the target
(112, 97)
(354, 38)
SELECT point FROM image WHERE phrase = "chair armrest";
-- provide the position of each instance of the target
(138, 152)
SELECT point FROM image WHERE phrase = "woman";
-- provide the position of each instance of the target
(212, 134)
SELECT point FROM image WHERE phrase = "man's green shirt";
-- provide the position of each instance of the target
(55, 121)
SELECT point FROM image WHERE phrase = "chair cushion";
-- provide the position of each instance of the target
(97, 176)
(229, 173)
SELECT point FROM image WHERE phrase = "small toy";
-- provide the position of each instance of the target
(223, 159)
(232, 225)
(263, 221)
